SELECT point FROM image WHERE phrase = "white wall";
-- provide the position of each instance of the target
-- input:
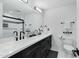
(35, 19)
(78, 24)
(54, 17)
(1, 11)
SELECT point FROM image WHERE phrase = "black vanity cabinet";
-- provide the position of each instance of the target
(37, 50)
(45, 46)
(32, 51)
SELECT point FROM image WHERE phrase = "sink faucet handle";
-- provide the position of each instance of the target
(16, 35)
(22, 36)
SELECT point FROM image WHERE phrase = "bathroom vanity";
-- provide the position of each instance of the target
(34, 47)
(39, 49)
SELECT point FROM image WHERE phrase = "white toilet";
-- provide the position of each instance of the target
(68, 44)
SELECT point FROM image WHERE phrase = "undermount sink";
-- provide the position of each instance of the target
(4, 40)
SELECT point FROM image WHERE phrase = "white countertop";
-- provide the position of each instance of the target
(10, 48)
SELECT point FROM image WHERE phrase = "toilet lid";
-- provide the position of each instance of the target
(69, 47)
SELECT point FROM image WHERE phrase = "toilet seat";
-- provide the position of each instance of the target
(68, 47)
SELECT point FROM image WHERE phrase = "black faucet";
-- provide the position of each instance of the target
(22, 37)
(40, 31)
(16, 35)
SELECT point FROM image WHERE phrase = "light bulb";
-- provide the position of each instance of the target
(25, 1)
(38, 9)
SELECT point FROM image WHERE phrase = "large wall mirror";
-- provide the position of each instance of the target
(11, 24)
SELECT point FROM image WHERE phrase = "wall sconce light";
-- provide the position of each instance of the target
(24, 1)
(38, 9)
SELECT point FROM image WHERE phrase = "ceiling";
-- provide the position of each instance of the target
(18, 7)
(47, 4)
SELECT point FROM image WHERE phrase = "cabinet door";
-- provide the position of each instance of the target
(45, 46)
(43, 52)
(49, 42)
(32, 54)
(46, 43)
(35, 53)
(32, 51)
